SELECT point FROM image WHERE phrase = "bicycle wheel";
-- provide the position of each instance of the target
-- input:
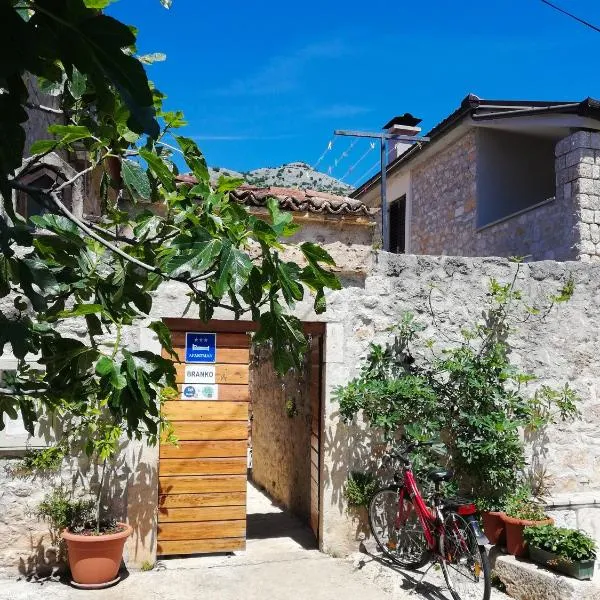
(399, 536)
(465, 564)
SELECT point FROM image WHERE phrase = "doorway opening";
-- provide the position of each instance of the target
(246, 471)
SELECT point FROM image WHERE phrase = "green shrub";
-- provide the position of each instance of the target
(467, 393)
(569, 544)
(360, 488)
(521, 505)
(60, 511)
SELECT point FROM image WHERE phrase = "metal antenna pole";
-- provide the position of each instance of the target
(383, 138)
(385, 222)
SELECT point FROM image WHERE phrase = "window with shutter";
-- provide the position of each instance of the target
(397, 228)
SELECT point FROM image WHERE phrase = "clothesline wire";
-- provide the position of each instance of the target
(363, 156)
(333, 166)
(377, 164)
(324, 154)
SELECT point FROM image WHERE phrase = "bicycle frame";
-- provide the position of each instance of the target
(430, 522)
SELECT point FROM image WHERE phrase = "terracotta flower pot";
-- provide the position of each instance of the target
(94, 560)
(515, 544)
(493, 525)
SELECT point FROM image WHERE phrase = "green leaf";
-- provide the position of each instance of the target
(159, 168)
(234, 269)
(77, 84)
(79, 310)
(195, 255)
(194, 158)
(289, 274)
(98, 4)
(285, 333)
(67, 134)
(135, 178)
(42, 146)
(282, 221)
(316, 254)
(174, 119)
(164, 336)
(226, 184)
(105, 366)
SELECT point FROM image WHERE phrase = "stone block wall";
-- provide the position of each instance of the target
(444, 193)
(578, 184)
(540, 233)
(563, 349)
(281, 423)
(444, 206)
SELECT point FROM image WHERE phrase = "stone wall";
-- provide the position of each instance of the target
(578, 185)
(563, 349)
(281, 419)
(444, 192)
(539, 233)
(27, 545)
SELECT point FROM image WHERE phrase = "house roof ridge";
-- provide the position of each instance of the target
(294, 199)
(472, 103)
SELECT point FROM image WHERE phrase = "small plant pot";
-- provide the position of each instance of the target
(580, 569)
(515, 544)
(94, 560)
(493, 526)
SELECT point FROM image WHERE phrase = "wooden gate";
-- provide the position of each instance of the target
(202, 482)
(316, 385)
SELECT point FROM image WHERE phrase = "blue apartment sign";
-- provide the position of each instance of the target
(200, 347)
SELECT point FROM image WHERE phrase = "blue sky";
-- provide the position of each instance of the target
(265, 83)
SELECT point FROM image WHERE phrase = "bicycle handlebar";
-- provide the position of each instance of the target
(410, 447)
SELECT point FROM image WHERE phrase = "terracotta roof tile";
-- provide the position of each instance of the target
(295, 200)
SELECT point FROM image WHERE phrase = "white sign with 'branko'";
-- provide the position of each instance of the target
(200, 374)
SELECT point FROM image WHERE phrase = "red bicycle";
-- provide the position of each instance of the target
(412, 533)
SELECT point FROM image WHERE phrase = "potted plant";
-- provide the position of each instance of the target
(569, 551)
(492, 514)
(522, 511)
(94, 547)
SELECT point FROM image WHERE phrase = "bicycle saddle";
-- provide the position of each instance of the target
(438, 475)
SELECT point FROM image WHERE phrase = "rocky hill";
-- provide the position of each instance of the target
(292, 175)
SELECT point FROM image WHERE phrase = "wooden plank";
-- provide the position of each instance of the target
(239, 356)
(205, 449)
(314, 456)
(205, 513)
(314, 442)
(314, 328)
(314, 471)
(202, 466)
(202, 530)
(224, 373)
(211, 430)
(201, 484)
(166, 548)
(224, 340)
(228, 393)
(203, 410)
(209, 499)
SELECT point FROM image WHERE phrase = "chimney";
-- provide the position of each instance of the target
(404, 124)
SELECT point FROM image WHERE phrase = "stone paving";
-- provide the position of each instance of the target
(280, 563)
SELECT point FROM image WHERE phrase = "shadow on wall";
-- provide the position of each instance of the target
(29, 543)
(141, 505)
(350, 444)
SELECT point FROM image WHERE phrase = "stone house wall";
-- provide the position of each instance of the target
(444, 200)
(445, 193)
